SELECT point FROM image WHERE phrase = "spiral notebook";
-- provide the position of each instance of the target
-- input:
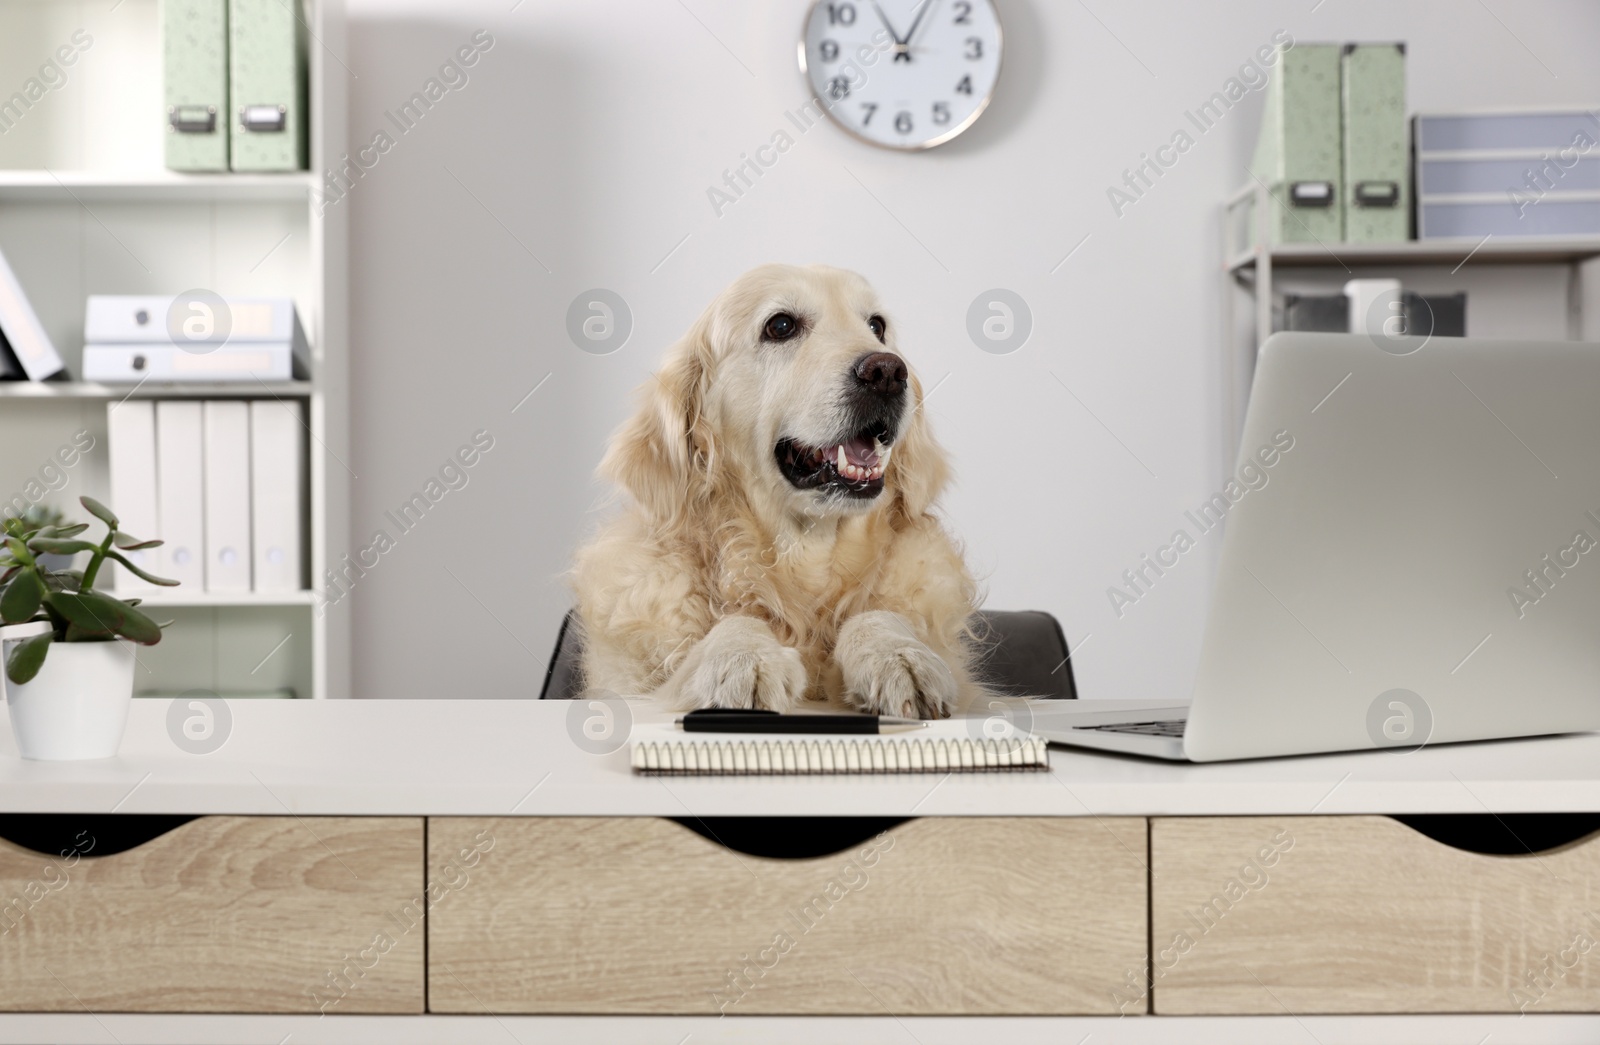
(954, 746)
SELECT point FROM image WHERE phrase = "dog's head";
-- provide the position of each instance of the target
(792, 386)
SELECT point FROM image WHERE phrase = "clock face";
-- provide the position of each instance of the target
(905, 74)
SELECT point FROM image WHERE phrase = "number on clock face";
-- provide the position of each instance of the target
(907, 74)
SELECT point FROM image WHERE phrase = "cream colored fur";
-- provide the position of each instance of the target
(720, 584)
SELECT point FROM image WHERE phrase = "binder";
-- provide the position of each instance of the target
(131, 433)
(21, 330)
(1377, 199)
(127, 318)
(267, 85)
(194, 68)
(144, 337)
(226, 425)
(1298, 155)
(180, 503)
(277, 450)
(117, 364)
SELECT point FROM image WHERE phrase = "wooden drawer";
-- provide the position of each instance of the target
(222, 914)
(642, 915)
(1361, 914)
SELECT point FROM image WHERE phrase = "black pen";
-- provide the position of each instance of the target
(756, 720)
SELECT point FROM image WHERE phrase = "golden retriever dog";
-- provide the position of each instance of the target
(778, 544)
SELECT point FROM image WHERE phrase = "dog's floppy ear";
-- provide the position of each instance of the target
(663, 454)
(918, 468)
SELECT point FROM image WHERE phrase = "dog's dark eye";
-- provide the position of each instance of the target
(879, 327)
(781, 326)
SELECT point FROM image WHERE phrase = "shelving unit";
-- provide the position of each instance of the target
(1545, 287)
(90, 390)
(46, 186)
(86, 207)
(177, 599)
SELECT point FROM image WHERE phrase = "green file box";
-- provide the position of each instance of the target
(194, 67)
(1298, 154)
(267, 84)
(1377, 198)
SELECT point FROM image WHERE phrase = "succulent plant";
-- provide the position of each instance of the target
(67, 599)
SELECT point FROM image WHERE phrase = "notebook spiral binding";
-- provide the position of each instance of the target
(875, 754)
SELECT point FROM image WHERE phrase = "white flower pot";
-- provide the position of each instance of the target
(77, 706)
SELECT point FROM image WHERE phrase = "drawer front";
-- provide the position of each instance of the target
(222, 914)
(641, 915)
(1348, 914)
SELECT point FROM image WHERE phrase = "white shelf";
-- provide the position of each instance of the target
(33, 186)
(178, 599)
(152, 390)
(1492, 251)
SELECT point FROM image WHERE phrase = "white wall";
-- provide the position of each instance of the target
(578, 155)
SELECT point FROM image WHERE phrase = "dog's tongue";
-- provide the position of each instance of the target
(860, 451)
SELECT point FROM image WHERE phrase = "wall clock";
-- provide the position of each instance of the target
(904, 74)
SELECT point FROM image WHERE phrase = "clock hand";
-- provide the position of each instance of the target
(885, 20)
(922, 9)
(904, 46)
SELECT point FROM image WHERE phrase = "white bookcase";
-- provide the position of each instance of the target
(86, 207)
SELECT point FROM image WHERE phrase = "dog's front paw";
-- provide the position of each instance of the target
(739, 664)
(889, 671)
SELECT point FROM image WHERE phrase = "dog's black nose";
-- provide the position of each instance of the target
(882, 372)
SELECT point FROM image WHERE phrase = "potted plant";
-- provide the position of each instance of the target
(72, 702)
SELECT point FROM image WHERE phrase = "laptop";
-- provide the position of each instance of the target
(1410, 555)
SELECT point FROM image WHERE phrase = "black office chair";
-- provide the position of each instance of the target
(1021, 653)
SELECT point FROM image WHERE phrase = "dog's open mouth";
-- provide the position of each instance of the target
(853, 467)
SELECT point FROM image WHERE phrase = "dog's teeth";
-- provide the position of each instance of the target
(844, 462)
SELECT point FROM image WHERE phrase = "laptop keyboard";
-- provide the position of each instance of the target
(1172, 727)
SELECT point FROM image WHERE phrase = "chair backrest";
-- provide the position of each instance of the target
(1019, 653)
(1023, 653)
(563, 679)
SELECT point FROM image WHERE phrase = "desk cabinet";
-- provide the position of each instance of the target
(222, 914)
(1361, 914)
(641, 915)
